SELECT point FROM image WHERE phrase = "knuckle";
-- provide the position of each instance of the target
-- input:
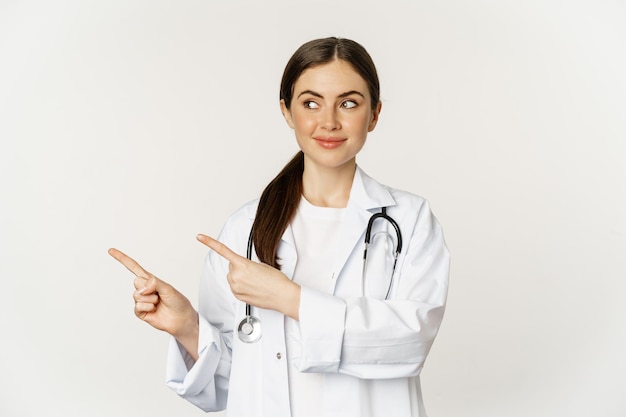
(151, 283)
(141, 308)
(235, 286)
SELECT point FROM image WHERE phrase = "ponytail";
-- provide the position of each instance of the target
(277, 206)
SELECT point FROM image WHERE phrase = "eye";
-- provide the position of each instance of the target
(349, 104)
(311, 105)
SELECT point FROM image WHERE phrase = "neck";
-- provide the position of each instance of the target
(328, 187)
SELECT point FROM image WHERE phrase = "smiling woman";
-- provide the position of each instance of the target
(317, 335)
(141, 123)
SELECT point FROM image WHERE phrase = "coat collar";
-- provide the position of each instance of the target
(367, 193)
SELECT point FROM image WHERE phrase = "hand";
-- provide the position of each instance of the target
(161, 305)
(258, 284)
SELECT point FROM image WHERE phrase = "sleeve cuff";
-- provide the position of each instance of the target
(322, 318)
(183, 375)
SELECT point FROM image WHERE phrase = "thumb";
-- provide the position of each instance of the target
(157, 286)
(151, 286)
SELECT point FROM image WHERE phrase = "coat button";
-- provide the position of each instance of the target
(278, 355)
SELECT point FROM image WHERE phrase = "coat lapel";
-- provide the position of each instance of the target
(366, 198)
(287, 254)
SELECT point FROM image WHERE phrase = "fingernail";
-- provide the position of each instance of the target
(141, 290)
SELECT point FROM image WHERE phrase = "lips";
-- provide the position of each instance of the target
(329, 142)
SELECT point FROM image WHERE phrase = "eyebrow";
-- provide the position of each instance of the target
(342, 95)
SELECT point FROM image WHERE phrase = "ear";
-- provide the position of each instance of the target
(286, 113)
(375, 114)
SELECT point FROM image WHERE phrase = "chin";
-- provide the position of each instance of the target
(330, 162)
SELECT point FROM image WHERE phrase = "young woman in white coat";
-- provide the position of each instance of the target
(302, 328)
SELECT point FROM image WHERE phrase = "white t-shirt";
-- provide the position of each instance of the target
(315, 233)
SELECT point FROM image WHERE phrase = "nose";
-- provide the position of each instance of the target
(330, 119)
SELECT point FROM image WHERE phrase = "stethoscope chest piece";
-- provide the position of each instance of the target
(249, 329)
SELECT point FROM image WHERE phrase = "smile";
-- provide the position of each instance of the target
(329, 143)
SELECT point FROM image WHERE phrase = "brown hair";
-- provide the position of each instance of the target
(279, 201)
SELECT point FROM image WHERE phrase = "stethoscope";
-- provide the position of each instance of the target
(249, 329)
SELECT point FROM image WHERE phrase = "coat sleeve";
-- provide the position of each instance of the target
(376, 339)
(205, 383)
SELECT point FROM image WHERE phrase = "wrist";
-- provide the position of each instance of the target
(291, 301)
(188, 334)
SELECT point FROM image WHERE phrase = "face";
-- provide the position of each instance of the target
(331, 114)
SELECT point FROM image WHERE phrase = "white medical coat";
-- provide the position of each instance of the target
(369, 350)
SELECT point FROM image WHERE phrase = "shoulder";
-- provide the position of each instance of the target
(390, 196)
(410, 207)
(245, 213)
(236, 229)
(412, 211)
(407, 199)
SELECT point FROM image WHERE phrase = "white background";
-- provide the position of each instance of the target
(138, 124)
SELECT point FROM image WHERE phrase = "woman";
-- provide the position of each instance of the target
(336, 339)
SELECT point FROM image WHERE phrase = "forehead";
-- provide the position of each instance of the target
(334, 77)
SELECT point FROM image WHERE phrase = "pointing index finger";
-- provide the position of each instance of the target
(129, 263)
(220, 248)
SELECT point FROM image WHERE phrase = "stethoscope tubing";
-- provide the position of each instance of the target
(249, 329)
(383, 214)
(368, 237)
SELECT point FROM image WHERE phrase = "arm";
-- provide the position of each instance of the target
(199, 356)
(204, 380)
(371, 338)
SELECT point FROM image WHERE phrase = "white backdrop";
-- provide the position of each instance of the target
(139, 123)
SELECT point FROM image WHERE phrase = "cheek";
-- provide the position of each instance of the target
(363, 125)
(304, 124)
